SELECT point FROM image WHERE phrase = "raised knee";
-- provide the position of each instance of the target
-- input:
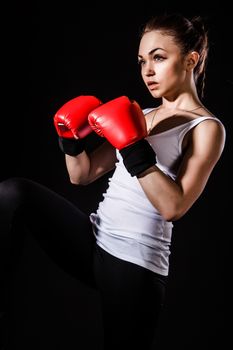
(12, 189)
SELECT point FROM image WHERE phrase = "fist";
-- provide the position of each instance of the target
(71, 120)
(121, 121)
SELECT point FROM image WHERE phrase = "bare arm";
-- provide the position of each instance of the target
(86, 168)
(174, 198)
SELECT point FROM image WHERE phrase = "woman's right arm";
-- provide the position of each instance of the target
(86, 168)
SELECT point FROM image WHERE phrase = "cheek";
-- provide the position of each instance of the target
(173, 73)
(143, 75)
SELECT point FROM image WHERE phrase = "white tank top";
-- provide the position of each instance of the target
(126, 224)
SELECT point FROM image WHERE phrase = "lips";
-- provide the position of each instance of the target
(152, 84)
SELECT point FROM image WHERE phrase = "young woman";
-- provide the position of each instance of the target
(163, 158)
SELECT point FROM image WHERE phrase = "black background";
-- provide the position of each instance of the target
(52, 52)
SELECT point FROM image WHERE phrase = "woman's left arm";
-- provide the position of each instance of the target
(174, 198)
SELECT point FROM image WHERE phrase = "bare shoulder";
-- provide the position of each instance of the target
(209, 136)
(211, 126)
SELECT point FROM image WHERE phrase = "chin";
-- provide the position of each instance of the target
(155, 94)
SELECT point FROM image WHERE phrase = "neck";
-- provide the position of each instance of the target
(184, 102)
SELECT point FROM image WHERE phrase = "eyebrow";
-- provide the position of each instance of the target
(152, 51)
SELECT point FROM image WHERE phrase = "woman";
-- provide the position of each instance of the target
(123, 249)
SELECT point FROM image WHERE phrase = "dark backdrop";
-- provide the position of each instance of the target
(52, 53)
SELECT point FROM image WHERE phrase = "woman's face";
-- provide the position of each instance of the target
(162, 65)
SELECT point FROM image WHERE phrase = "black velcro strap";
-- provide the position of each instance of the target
(72, 147)
(138, 157)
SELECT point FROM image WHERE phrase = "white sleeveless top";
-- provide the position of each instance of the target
(126, 224)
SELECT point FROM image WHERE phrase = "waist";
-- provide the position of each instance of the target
(151, 231)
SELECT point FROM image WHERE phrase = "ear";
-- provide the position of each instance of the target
(192, 60)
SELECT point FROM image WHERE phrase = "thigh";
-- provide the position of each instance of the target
(132, 299)
(61, 229)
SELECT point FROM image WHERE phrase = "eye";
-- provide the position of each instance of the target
(158, 58)
(141, 62)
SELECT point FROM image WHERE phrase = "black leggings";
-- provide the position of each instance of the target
(131, 296)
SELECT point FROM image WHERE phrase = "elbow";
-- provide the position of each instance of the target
(78, 178)
(77, 181)
(173, 213)
(170, 216)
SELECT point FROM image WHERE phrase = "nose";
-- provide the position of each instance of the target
(148, 70)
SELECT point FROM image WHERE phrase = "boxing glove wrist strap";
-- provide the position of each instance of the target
(72, 147)
(138, 157)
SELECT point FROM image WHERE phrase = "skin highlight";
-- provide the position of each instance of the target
(170, 74)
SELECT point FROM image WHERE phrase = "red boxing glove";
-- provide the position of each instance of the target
(72, 124)
(71, 119)
(122, 122)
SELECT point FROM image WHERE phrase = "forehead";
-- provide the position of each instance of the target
(156, 39)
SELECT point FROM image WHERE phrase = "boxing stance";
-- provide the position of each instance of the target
(66, 233)
(162, 158)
